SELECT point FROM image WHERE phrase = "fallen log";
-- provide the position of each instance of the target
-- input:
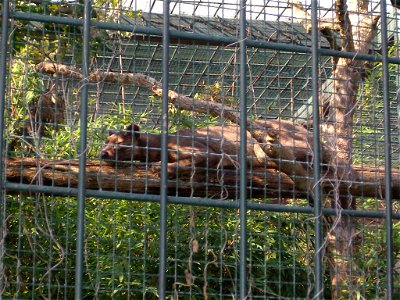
(218, 184)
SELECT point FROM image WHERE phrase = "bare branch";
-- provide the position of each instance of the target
(305, 18)
(346, 33)
(362, 6)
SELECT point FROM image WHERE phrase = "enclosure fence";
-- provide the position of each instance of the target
(263, 163)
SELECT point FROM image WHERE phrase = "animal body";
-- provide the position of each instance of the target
(188, 150)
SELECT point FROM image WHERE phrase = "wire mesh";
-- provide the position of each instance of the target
(91, 210)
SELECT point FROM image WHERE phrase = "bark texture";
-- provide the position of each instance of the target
(221, 184)
(356, 28)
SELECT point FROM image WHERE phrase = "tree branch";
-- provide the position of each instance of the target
(345, 27)
(305, 18)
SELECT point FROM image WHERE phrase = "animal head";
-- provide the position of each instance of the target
(120, 145)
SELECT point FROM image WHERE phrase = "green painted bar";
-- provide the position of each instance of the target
(197, 37)
(243, 286)
(388, 157)
(81, 195)
(204, 202)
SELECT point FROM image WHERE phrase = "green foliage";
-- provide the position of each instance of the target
(26, 87)
(215, 93)
(122, 250)
(54, 42)
(368, 132)
(25, 81)
(179, 118)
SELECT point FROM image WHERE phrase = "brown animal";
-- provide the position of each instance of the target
(188, 150)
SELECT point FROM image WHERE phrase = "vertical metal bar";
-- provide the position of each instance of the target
(164, 156)
(3, 73)
(318, 293)
(82, 151)
(388, 154)
(243, 153)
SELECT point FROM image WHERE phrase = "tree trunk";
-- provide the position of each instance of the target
(357, 28)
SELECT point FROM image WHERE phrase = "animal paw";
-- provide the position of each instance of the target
(156, 169)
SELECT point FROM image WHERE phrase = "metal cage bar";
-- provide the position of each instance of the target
(82, 149)
(219, 40)
(201, 202)
(318, 263)
(164, 154)
(3, 71)
(243, 152)
(388, 155)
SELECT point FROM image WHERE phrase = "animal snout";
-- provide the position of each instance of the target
(104, 155)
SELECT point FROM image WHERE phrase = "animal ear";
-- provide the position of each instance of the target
(136, 130)
(133, 128)
(129, 128)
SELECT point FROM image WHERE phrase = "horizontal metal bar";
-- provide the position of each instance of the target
(65, 191)
(214, 39)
